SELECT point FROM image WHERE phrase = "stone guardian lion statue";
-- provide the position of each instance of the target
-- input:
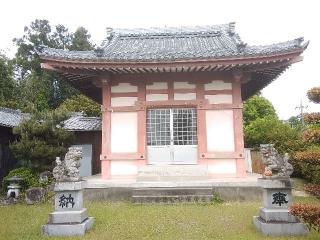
(274, 162)
(69, 169)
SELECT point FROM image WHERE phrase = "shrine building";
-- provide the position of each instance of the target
(173, 96)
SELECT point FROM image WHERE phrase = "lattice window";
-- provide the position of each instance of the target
(184, 126)
(171, 126)
(158, 127)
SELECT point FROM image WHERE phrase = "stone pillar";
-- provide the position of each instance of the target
(274, 217)
(69, 216)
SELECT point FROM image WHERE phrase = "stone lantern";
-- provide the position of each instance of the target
(14, 187)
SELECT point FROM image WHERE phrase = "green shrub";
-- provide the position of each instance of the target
(30, 179)
(313, 189)
(314, 94)
(308, 213)
(216, 198)
(312, 118)
(309, 163)
(312, 135)
(270, 130)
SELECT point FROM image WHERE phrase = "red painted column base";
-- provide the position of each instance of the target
(105, 169)
(241, 167)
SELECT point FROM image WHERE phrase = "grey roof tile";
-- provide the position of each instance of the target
(80, 122)
(10, 117)
(77, 121)
(173, 43)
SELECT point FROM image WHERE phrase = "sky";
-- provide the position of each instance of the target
(257, 22)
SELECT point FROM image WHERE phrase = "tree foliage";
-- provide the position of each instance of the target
(262, 126)
(257, 107)
(41, 89)
(41, 139)
(8, 87)
(314, 94)
(81, 103)
(80, 40)
(272, 130)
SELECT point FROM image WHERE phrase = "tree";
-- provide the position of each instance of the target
(272, 130)
(41, 140)
(257, 107)
(295, 122)
(8, 87)
(61, 38)
(48, 89)
(81, 103)
(81, 40)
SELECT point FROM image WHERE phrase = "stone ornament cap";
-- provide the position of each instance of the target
(15, 179)
(69, 186)
(283, 183)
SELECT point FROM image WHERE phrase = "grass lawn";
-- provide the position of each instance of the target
(120, 220)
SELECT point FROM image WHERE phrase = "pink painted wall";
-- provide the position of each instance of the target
(123, 130)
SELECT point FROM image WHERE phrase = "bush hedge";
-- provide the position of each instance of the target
(312, 135)
(308, 213)
(314, 94)
(30, 179)
(309, 163)
(312, 118)
(313, 189)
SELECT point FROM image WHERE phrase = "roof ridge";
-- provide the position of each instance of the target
(10, 110)
(116, 33)
(296, 42)
(169, 30)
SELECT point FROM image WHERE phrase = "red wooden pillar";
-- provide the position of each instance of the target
(106, 127)
(238, 125)
(201, 124)
(142, 123)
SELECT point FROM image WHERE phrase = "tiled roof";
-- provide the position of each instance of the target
(165, 44)
(11, 118)
(78, 122)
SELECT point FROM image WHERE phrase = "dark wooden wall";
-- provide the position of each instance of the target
(6, 161)
(94, 138)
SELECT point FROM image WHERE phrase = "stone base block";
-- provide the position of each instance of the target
(68, 216)
(280, 228)
(68, 229)
(277, 215)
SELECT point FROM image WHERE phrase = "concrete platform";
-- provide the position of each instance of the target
(230, 189)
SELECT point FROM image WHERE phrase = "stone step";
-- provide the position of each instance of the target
(172, 198)
(173, 173)
(172, 191)
(171, 195)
